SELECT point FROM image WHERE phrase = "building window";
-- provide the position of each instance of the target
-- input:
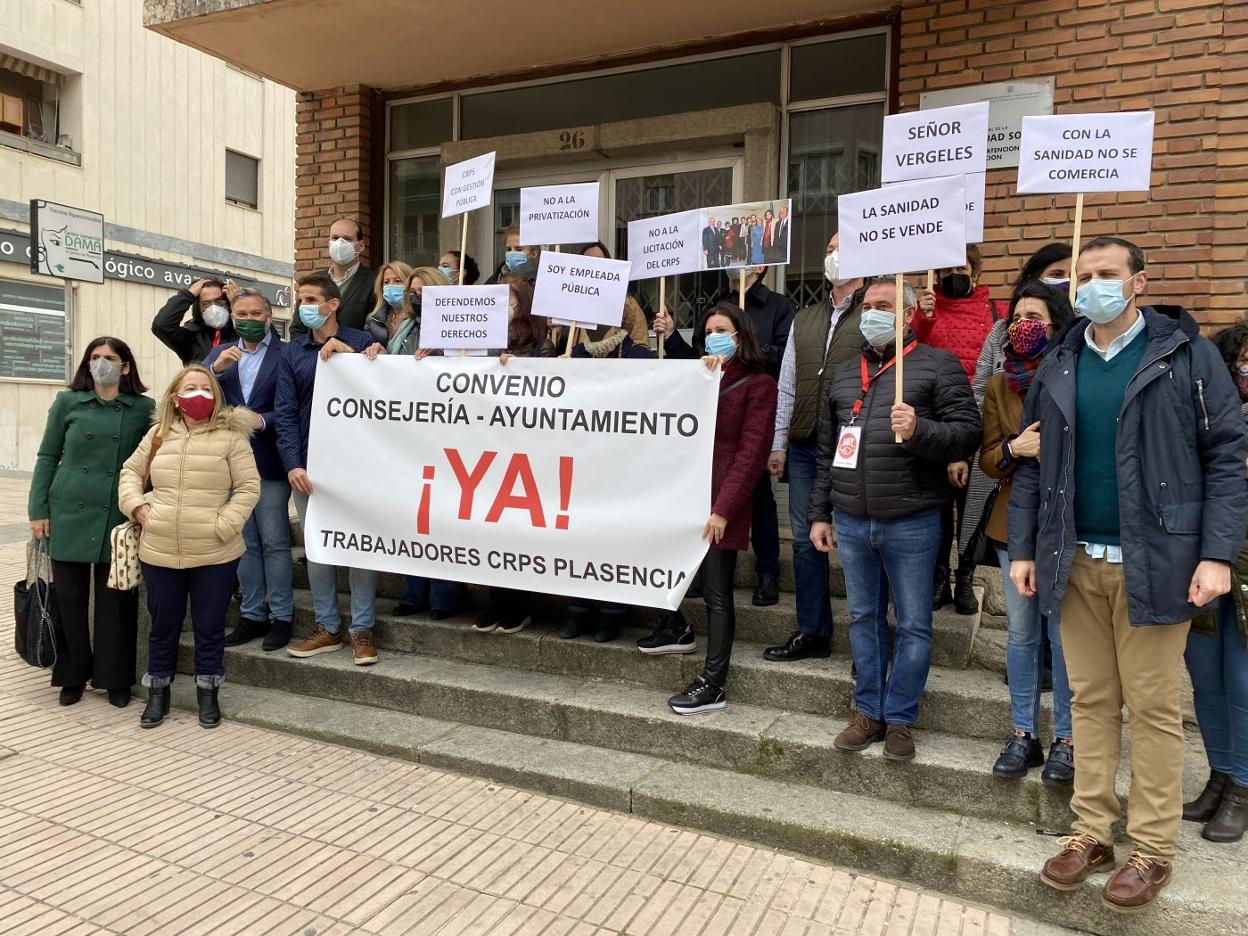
(415, 210)
(35, 115)
(242, 179)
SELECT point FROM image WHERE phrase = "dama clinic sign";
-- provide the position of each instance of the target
(68, 242)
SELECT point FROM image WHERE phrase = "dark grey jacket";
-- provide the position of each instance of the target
(1181, 450)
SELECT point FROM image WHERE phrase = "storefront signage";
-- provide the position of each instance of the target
(1008, 103)
(1086, 153)
(69, 242)
(903, 227)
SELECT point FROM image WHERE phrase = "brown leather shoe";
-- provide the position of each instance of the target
(362, 647)
(860, 734)
(1135, 885)
(899, 743)
(1079, 857)
(321, 641)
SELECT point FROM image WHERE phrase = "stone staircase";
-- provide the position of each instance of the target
(589, 722)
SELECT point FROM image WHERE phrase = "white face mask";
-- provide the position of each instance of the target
(341, 250)
(832, 268)
(216, 315)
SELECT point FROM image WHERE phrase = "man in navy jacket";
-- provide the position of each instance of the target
(247, 371)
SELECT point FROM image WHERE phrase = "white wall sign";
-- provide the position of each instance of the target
(69, 242)
(580, 289)
(559, 214)
(926, 144)
(521, 475)
(468, 185)
(903, 227)
(1008, 103)
(460, 318)
(1086, 153)
(664, 246)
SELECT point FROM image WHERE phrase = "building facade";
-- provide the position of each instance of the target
(189, 159)
(672, 106)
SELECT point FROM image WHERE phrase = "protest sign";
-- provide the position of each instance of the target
(1086, 153)
(523, 475)
(458, 318)
(927, 144)
(903, 227)
(746, 234)
(580, 289)
(559, 214)
(664, 246)
(1008, 103)
(468, 185)
(976, 190)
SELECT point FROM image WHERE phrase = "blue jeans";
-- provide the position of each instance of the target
(877, 555)
(265, 569)
(1219, 669)
(810, 566)
(434, 594)
(1024, 660)
(323, 580)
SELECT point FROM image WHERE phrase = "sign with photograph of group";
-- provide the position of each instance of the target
(746, 234)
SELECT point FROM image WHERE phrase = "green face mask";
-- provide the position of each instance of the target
(252, 330)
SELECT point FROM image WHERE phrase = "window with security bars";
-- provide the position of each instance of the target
(242, 179)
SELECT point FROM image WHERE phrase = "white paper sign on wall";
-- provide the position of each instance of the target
(927, 144)
(580, 289)
(904, 227)
(1008, 103)
(468, 185)
(559, 214)
(664, 246)
(1086, 153)
(462, 318)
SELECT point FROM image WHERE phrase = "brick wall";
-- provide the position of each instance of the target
(332, 169)
(1186, 59)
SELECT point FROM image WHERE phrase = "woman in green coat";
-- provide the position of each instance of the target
(93, 427)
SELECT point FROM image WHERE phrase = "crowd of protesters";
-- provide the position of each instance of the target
(1095, 453)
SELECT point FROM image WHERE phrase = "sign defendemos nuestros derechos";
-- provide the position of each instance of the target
(1086, 153)
(68, 242)
(468, 185)
(559, 214)
(464, 318)
(664, 246)
(903, 227)
(745, 234)
(585, 290)
(521, 475)
(927, 144)
(1008, 103)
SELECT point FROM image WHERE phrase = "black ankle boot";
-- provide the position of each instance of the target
(964, 600)
(1229, 822)
(156, 709)
(209, 711)
(1202, 808)
(942, 594)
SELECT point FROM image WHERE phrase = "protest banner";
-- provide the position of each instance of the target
(927, 144)
(523, 475)
(1083, 153)
(664, 246)
(559, 214)
(580, 289)
(1008, 103)
(464, 318)
(746, 234)
(468, 185)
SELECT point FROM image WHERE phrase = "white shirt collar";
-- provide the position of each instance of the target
(1118, 343)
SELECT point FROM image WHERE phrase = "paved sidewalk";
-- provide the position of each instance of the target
(105, 828)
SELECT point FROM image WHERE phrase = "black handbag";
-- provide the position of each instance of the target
(34, 609)
(979, 549)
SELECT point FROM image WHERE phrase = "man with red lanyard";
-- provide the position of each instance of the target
(881, 479)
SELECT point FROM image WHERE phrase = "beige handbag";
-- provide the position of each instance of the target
(124, 571)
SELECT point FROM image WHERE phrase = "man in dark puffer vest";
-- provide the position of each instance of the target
(886, 495)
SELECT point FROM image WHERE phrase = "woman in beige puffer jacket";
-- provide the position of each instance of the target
(204, 487)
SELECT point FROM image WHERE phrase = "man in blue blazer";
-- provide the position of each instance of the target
(247, 372)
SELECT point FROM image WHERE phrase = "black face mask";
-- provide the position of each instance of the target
(955, 285)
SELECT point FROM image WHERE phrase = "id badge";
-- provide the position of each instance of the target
(847, 444)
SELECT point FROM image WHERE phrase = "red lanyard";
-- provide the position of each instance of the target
(867, 380)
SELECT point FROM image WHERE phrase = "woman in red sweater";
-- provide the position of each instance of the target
(743, 429)
(956, 316)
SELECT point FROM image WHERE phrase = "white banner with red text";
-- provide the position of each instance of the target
(558, 476)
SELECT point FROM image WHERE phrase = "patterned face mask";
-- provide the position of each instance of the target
(1028, 337)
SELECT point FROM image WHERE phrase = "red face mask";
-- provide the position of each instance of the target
(196, 407)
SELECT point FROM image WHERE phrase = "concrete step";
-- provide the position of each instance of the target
(974, 704)
(971, 857)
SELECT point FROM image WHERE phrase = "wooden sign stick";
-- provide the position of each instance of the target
(463, 255)
(741, 289)
(899, 325)
(1074, 246)
(662, 309)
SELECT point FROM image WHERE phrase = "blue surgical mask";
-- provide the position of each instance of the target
(310, 315)
(878, 327)
(721, 344)
(449, 273)
(1062, 285)
(1101, 301)
(515, 259)
(393, 294)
